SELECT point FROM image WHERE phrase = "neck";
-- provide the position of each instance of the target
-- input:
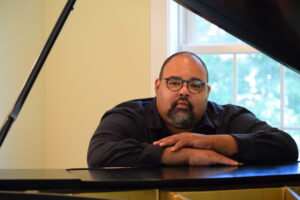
(175, 130)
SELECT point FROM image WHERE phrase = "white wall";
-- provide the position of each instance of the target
(101, 58)
(21, 36)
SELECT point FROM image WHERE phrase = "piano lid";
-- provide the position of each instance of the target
(271, 26)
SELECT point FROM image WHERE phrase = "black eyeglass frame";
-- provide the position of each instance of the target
(203, 84)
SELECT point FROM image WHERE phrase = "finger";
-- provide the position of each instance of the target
(180, 144)
(227, 161)
(216, 158)
(171, 140)
(167, 142)
(158, 142)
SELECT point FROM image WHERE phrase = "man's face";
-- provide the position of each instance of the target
(181, 109)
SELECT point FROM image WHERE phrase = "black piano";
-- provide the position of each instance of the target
(272, 27)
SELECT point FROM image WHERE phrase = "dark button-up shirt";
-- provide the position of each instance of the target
(125, 135)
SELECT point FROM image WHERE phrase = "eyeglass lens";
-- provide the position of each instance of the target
(194, 85)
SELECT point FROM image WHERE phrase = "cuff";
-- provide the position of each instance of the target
(245, 147)
(153, 155)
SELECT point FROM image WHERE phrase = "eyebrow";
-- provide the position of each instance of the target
(193, 78)
(176, 77)
(197, 79)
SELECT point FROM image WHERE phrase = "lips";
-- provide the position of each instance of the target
(182, 104)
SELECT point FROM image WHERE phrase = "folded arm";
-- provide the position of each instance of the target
(222, 144)
(195, 157)
(244, 138)
(119, 142)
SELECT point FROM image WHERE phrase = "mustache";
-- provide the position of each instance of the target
(182, 99)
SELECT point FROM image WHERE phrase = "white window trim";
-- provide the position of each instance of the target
(210, 49)
(189, 40)
(165, 34)
(185, 43)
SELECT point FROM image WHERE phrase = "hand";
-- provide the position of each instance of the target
(195, 157)
(186, 139)
(223, 144)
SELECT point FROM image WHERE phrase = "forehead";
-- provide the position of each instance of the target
(185, 66)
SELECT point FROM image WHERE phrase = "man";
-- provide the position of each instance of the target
(181, 127)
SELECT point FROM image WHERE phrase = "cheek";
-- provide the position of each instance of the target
(165, 100)
(200, 106)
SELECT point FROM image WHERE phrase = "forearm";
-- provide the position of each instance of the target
(257, 141)
(194, 157)
(174, 158)
(266, 147)
(119, 141)
(125, 153)
(224, 144)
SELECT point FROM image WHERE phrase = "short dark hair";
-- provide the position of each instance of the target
(182, 52)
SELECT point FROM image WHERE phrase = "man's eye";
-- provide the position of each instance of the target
(196, 85)
(174, 83)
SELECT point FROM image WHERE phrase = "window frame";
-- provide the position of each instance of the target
(185, 41)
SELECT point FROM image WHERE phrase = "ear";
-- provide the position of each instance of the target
(207, 91)
(157, 84)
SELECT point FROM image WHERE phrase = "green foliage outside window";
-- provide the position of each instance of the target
(257, 81)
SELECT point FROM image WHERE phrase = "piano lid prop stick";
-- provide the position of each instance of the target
(35, 70)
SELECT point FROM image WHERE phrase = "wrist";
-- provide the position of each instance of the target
(213, 143)
(224, 144)
(172, 158)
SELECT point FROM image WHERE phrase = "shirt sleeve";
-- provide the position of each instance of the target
(121, 141)
(258, 142)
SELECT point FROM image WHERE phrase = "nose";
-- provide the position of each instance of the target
(184, 91)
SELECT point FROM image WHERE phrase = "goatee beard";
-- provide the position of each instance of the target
(181, 118)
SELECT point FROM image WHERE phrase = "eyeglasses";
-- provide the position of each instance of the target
(194, 85)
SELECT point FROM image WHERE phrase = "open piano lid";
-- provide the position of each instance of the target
(271, 26)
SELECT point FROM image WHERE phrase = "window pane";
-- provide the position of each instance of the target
(292, 98)
(259, 86)
(208, 33)
(220, 77)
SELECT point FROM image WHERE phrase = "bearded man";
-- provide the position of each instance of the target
(181, 127)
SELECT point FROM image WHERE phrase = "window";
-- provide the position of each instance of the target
(238, 73)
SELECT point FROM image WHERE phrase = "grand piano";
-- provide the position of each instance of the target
(271, 26)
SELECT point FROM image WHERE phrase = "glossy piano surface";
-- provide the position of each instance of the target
(175, 178)
(191, 177)
(36, 179)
